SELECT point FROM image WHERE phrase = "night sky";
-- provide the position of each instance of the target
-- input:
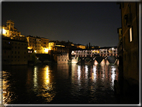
(78, 22)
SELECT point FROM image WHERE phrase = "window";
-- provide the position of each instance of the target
(130, 34)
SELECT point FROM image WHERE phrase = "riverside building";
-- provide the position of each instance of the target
(129, 48)
(14, 45)
(38, 44)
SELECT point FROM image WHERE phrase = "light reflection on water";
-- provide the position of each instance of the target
(61, 83)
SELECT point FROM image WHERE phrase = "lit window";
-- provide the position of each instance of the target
(130, 33)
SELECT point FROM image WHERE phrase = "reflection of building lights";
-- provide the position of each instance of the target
(86, 68)
(35, 77)
(74, 60)
(113, 74)
(94, 73)
(113, 68)
(86, 71)
(79, 72)
(47, 75)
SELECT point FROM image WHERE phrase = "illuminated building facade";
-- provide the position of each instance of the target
(10, 31)
(51, 45)
(81, 46)
(38, 44)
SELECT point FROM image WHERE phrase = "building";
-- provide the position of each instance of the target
(14, 52)
(79, 46)
(63, 58)
(44, 44)
(51, 45)
(129, 48)
(38, 44)
(14, 45)
(9, 30)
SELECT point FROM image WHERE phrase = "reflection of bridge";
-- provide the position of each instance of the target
(102, 56)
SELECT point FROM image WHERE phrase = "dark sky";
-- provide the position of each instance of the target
(78, 22)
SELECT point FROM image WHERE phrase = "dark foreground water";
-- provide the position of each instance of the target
(59, 84)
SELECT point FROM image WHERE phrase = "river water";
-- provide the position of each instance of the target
(59, 84)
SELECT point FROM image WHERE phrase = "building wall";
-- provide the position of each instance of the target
(14, 52)
(10, 31)
(44, 44)
(39, 45)
(31, 42)
(51, 45)
(63, 58)
(130, 48)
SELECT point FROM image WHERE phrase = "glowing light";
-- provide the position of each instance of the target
(72, 44)
(29, 48)
(35, 51)
(130, 34)
(72, 52)
(3, 31)
(95, 62)
(46, 50)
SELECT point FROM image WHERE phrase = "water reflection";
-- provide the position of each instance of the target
(94, 73)
(61, 83)
(35, 78)
(42, 76)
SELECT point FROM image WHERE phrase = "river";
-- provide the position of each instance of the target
(59, 84)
